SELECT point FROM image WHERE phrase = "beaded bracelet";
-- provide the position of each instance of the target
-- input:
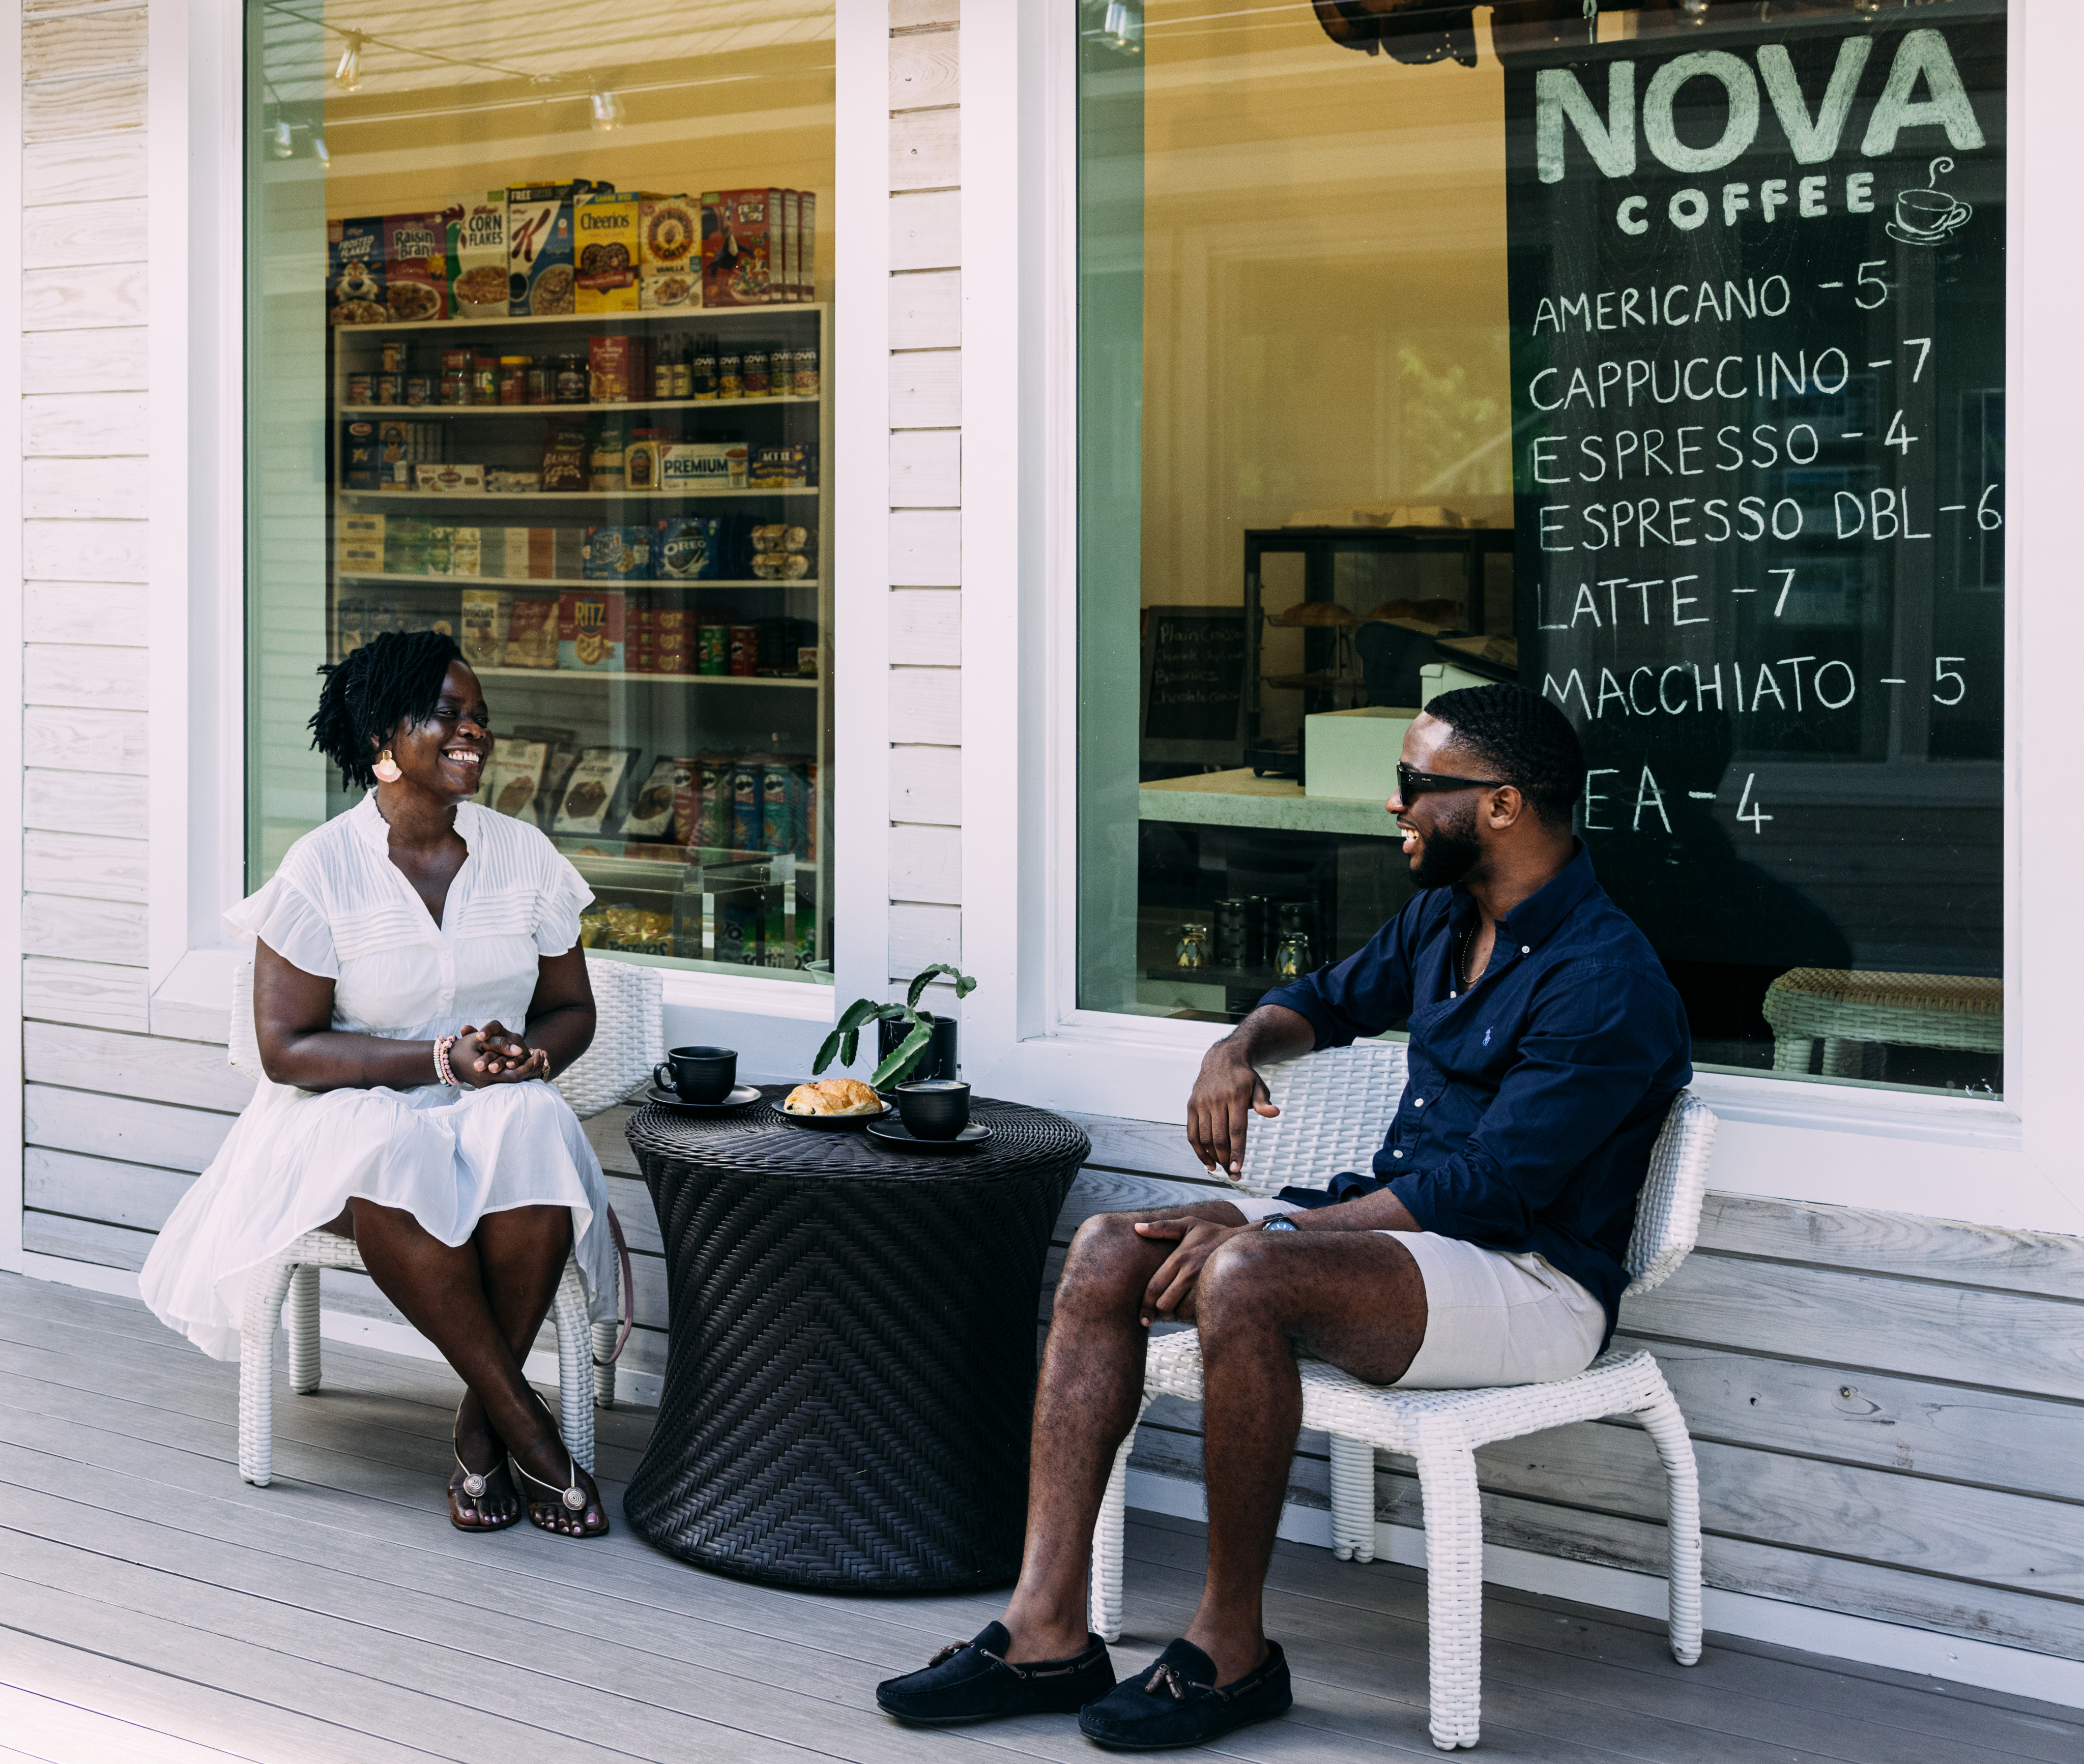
(443, 1070)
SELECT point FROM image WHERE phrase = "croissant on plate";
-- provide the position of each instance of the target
(833, 1096)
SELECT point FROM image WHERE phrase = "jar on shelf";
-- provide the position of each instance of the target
(730, 376)
(542, 380)
(1192, 950)
(702, 369)
(752, 374)
(514, 379)
(1292, 959)
(484, 379)
(640, 470)
(805, 374)
(607, 465)
(573, 385)
(360, 389)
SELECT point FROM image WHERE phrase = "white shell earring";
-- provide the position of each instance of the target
(386, 768)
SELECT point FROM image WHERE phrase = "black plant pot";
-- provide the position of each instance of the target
(940, 1060)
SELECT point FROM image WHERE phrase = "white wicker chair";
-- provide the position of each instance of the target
(1334, 1108)
(628, 1042)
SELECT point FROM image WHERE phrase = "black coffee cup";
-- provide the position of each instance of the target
(699, 1074)
(934, 1108)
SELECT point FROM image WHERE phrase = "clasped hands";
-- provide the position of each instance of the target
(494, 1055)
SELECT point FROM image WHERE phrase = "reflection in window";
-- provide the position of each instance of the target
(1654, 361)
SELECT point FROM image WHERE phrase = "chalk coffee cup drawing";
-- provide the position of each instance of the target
(1927, 215)
(699, 1074)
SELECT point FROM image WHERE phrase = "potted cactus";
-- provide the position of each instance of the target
(913, 1046)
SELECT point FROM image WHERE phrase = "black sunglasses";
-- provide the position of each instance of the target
(1410, 784)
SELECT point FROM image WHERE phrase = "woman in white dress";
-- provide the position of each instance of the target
(393, 949)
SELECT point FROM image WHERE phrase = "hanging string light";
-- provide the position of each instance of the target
(280, 145)
(319, 151)
(347, 76)
(607, 112)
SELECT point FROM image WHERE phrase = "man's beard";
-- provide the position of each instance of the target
(1449, 851)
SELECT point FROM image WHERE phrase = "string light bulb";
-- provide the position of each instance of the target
(1124, 27)
(607, 112)
(1696, 11)
(280, 145)
(319, 152)
(347, 76)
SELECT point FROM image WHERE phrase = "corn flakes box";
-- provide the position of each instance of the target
(478, 286)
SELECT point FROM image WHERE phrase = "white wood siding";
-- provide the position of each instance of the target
(926, 487)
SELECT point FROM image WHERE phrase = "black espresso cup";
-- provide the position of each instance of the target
(699, 1074)
(934, 1108)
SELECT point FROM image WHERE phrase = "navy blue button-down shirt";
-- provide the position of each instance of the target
(1534, 1096)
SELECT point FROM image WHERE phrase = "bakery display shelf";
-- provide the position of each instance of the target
(700, 585)
(802, 680)
(415, 412)
(584, 321)
(566, 497)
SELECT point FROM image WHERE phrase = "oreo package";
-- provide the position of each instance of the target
(686, 549)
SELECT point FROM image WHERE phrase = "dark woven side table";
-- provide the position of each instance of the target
(850, 1368)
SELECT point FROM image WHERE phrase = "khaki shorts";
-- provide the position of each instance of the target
(1491, 1318)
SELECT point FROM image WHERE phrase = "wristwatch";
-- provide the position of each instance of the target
(1280, 1224)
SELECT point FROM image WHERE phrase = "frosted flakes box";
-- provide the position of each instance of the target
(606, 235)
(354, 272)
(415, 267)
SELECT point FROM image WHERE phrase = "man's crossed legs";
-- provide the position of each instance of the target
(1356, 1299)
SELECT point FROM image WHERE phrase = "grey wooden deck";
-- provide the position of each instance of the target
(155, 1608)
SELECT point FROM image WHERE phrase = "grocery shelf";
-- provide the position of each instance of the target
(569, 497)
(415, 412)
(700, 583)
(684, 315)
(809, 681)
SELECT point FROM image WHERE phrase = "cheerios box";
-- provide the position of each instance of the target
(607, 242)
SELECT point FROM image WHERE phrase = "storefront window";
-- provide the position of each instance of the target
(1654, 359)
(538, 347)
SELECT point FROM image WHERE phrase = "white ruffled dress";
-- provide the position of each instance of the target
(339, 907)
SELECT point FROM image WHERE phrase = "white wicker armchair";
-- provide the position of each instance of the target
(628, 1042)
(1334, 1107)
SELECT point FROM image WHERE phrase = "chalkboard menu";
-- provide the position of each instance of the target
(1193, 694)
(1757, 306)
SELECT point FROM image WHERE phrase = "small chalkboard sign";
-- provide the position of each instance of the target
(1193, 684)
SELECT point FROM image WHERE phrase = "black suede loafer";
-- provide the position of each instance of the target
(1176, 1702)
(974, 1681)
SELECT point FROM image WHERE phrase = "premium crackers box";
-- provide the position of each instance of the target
(605, 242)
(590, 630)
(355, 271)
(415, 267)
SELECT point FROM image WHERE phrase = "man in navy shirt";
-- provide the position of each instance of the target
(1546, 1047)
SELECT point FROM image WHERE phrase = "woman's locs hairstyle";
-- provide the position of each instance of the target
(383, 686)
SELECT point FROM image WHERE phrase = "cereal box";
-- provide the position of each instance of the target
(478, 285)
(355, 271)
(487, 614)
(670, 238)
(618, 554)
(415, 267)
(807, 246)
(736, 269)
(785, 288)
(540, 259)
(590, 630)
(532, 633)
(605, 242)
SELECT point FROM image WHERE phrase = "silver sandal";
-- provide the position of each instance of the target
(573, 1497)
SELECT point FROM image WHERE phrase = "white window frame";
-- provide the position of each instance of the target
(2012, 1164)
(196, 640)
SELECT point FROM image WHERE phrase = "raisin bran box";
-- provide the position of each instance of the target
(354, 272)
(415, 267)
